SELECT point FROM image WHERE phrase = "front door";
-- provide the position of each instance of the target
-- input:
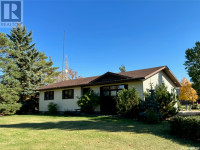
(108, 98)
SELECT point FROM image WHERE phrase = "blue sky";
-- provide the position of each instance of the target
(103, 34)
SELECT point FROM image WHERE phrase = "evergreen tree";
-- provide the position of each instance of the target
(9, 86)
(166, 100)
(47, 72)
(32, 67)
(24, 56)
(161, 101)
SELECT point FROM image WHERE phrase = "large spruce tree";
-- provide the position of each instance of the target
(9, 86)
(33, 68)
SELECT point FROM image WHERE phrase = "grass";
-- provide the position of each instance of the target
(57, 132)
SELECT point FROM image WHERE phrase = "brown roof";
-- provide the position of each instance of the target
(129, 75)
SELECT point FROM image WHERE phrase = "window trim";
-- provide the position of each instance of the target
(46, 98)
(69, 97)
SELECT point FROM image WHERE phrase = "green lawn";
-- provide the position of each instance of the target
(56, 132)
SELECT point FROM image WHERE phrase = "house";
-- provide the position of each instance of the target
(65, 94)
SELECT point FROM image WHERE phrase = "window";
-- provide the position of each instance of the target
(113, 93)
(112, 90)
(86, 90)
(105, 93)
(49, 95)
(68, 94)
(121, 86)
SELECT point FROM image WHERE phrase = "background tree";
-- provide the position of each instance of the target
(187, 93)
(192, 65)
(67, 74)
(48, 73)
(122, 68)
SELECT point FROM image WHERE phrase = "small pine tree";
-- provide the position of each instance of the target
(128, 102)
(166, 100)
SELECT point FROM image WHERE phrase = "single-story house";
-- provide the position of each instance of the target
(65, 94)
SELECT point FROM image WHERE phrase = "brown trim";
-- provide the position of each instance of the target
(111, 73)
(99, 83)
(172, 77)
(155, 72)
(135, 75)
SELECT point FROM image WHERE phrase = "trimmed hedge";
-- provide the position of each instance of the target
(186, 127)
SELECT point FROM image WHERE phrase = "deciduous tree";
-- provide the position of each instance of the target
(187, 92)
(122, 68)
(67, 74)
(192, 65)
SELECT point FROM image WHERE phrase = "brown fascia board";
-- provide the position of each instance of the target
(119, 75)
(115, 81)
(172, 77)
(151, 74)
(93, 84)
(61, 87)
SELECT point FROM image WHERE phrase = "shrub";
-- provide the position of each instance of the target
(166, 101)
(9, 99)
(128, 103)
(186, 127)
(9, 108)
(179, 105)
(161, 101)
(52, 108)
(30, 106)
(88, 102)
(195, 106)
(152, 117)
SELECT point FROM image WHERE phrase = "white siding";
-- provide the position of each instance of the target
(71, 104)
(157, 79)
(63, 104)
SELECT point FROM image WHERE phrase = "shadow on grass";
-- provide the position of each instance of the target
(109, 124)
